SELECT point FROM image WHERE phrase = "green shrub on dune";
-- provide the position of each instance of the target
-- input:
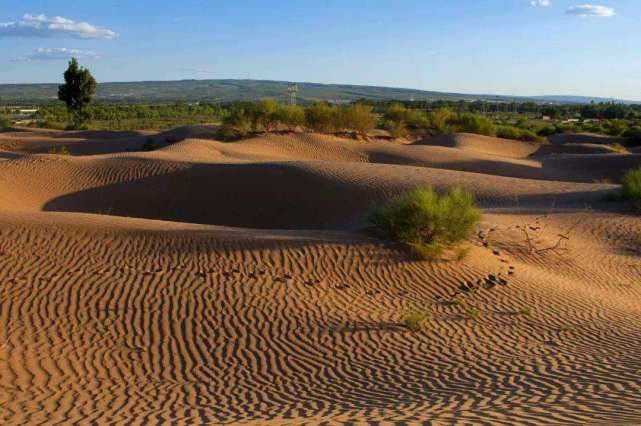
(427, 221)
(632, 187)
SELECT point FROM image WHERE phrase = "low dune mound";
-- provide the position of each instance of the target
(484, 144)
(585, 138)
(576, 148)
(171, 185)
(42, 141)
(597, 167)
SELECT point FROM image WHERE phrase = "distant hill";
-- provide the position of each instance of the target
(232, 90)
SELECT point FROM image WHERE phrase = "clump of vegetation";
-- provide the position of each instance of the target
(414, 319)
(461, 252)
(472, 313)
(525, 311)
(322, 117)
(77, 93)
(472, 123)
(510, 132)
(61, 150)
(632, 187)
(5, 123)
(397, 119)
(427, 221)
(357, 117)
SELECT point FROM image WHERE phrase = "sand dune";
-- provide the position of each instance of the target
(584, 138)
(218, 282)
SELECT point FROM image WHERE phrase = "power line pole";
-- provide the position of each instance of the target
(292, 90)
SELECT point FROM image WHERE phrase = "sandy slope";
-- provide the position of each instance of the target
(124, 317)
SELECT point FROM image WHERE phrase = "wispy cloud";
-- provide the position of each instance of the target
(43, 27)
(584, 10)
(60, 54)
(541, 2)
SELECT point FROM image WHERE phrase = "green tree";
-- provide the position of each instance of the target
(77, 93)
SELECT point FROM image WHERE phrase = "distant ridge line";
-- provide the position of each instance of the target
(227, 90)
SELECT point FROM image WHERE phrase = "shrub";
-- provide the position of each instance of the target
(633, 134)
(509, 132)
(472, 313)
(357, 117)
(414, 319)
(397, 129)
(241, 120)
(4, 122)
(616, 127)
(472, 123)
(322, 117)
(265, 115)
(61, 150)
(547, 130)
(397, 118)
(632, 187)
(439, 120)
(461, 253)
(426, 220)
(289, 115)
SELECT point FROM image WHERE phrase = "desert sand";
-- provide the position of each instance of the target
(213, 282)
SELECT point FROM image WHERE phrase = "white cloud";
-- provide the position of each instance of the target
(584, 10)
(60, 54)
(41, 26)
(541, 2)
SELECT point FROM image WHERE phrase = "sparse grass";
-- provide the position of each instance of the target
(461, 252)
(472, 313)
(414, 319)
(632, 187)
(619, 148)
(452, 302)
(426, 221)
(525, 311)
(61, 150)
(428, 252)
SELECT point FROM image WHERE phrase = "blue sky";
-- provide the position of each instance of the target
(524, 47)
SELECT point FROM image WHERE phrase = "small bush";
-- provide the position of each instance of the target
(547, 130)
(5, 123)
(428, 221)
(429, 252)
(472, 123)
(526, 311)
(632, 187)
(291, 116)
(414, 319)
(397, 129)
(461, 252)
(397, 119)
(509, 132)
(322, 117)
(472, 313)
(633, 134)
(241, 120)
(357, 117)
(439, 120)
(61, 150)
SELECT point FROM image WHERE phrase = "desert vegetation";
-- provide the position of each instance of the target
(266, 115)
(77, 93)
(632, 188)
(427, 221)
(4, 122)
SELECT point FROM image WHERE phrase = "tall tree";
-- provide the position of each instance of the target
(77, 93)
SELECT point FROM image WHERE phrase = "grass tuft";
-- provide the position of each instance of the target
(632, 187)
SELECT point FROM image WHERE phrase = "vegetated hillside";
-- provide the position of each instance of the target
(232, 90)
